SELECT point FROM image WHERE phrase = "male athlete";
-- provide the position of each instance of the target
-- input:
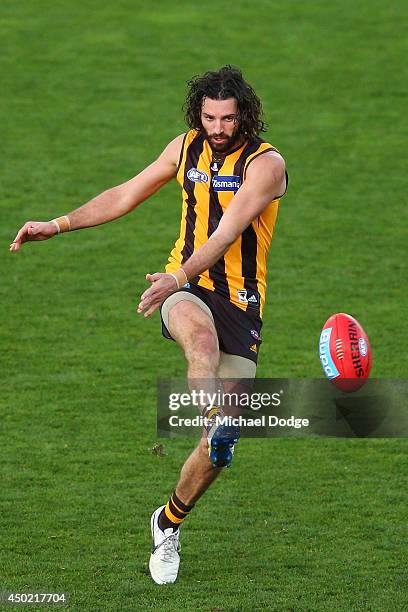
(213, 290)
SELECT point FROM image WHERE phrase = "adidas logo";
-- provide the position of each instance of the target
(253, 348)
(253, 299)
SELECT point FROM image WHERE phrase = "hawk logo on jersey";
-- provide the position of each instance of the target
(247, 297)
(197, 176)
(242, 296)
(226, 183)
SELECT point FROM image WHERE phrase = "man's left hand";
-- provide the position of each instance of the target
(162, 285)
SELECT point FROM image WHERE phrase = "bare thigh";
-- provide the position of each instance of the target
(191, 326)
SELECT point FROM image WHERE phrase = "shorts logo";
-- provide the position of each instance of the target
(197, 176)
(255, 334)
(226, 183)
(362, 345)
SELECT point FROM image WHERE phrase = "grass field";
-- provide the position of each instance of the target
(91, 94)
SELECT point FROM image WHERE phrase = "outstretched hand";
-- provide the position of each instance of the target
(162, 285)
(33, 230)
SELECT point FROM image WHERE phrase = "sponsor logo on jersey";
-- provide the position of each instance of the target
(362, 345)
(255, 334)
(324, 352)
(197, 176)
(226, 183)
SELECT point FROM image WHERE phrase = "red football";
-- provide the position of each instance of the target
(345, 352)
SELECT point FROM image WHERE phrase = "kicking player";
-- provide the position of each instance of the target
(212, 292)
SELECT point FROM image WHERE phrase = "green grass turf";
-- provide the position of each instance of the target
(91, 93)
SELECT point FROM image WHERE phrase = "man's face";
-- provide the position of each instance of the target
(219, 119)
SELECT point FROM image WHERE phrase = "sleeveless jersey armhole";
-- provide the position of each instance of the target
(261, 153)
(181, 152)
(255, 156)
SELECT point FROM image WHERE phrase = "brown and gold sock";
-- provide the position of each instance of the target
(209, 413)
(174, 513)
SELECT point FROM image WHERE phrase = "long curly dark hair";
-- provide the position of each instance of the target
(227, 82)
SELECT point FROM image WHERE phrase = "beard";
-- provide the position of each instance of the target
(222, 146)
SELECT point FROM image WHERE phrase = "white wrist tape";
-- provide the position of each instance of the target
(62, 224)
(176, 279)
(182, 269)
(56, 225)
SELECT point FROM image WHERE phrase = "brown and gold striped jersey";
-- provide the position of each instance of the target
(208, 185)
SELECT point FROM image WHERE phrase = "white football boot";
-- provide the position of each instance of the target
(165, 559)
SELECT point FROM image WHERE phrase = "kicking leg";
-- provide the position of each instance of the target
(193, 329)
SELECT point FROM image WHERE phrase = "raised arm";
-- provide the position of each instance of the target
(265, 181)
(110, 204)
